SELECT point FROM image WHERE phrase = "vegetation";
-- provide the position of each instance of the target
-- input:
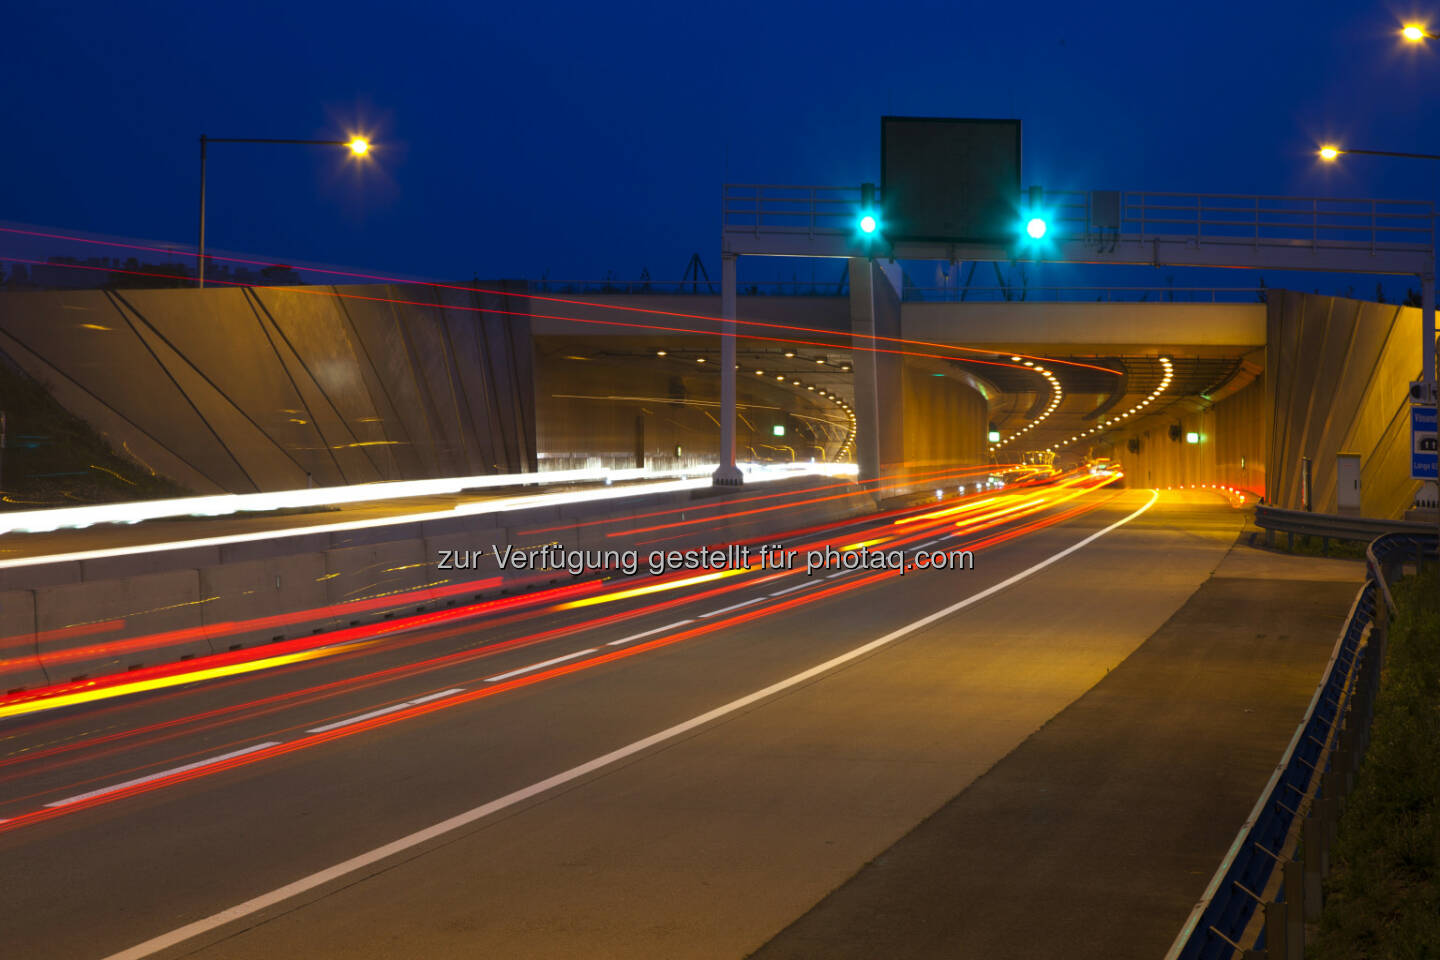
(1383, 896)
(52, 458)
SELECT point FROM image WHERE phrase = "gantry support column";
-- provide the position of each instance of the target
(1427, 329)
(879, 424)
(727, 474)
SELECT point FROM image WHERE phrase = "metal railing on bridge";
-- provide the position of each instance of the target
(1281, 855)
(952, 293)
(1257, 220)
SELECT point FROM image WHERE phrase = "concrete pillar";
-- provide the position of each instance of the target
(727, 474)
(875, 310)
(1427, 328)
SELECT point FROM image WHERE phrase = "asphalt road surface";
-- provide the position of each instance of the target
(686, 774)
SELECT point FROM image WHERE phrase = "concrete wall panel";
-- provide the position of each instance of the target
(257, 602)
(20, 666)
(110, 626)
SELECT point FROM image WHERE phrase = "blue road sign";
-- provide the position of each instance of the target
(1424, 459)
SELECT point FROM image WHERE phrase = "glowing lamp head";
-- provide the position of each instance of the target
(1328, 153)
(868, 224)
(1413, 33)
(1035, 228)
(359, 146)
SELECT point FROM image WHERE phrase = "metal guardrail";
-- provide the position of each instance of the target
(1281, 854)
(1218, 218)
(1330, 526)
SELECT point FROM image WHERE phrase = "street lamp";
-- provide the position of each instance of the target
(1330, 153)
(1414, 33)
(359, 147)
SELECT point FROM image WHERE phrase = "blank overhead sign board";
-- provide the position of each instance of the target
(950, 179)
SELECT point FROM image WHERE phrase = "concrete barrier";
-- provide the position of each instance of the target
(110, 626)
(262, 601)
(258, 591)
(19, 660)
(375, 572)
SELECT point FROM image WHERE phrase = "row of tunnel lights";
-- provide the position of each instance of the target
(832, 397)
(1056, 394)
(1150, 398)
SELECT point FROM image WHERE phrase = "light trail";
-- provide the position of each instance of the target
(416, 706)
(410, 841)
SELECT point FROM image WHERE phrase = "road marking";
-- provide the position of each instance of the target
(163, 773)
(371, 857)
(384, 710)
(716, 613)
(539, 666)
(838, 573)
(646, 633)
(798, 586)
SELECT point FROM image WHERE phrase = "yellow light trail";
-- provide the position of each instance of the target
(179, 679)
(652, 588)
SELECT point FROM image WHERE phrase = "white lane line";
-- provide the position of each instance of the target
(371, 857)
(838, 573)
(163, 773)
(798, 586)
(646, 633)
(383, 710)
(435, 696)
(716, 613)
(539, 666)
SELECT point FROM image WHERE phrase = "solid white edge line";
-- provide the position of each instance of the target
(646, 633)
(371, 857)
(737, 606)
(538, 666)
(163, 773)
(327, 727)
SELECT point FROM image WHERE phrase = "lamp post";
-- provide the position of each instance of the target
(358, 146)
(1330, 153)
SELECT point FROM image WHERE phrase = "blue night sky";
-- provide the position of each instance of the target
(517, 139)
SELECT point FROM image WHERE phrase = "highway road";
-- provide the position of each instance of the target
(681, 772)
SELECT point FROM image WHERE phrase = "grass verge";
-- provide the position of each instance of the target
(1383, 895)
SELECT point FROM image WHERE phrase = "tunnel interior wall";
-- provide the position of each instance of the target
(1230, 445)
(243, 390)
(944, 421)
(606, 402)
(1339, 373)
